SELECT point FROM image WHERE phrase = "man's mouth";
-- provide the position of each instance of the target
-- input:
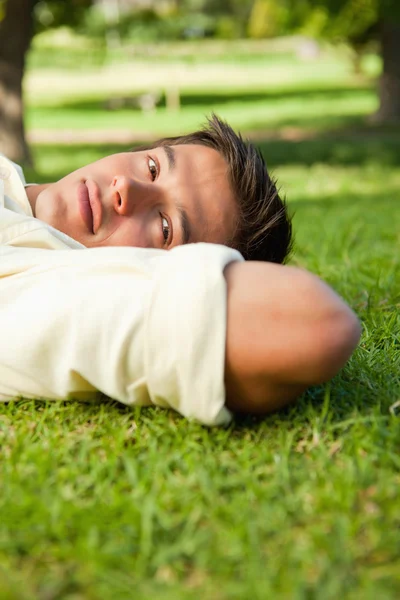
(90, 206)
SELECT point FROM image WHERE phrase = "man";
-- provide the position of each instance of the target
(195, 328)
(208, 186)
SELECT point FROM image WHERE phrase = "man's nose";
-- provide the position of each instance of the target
(130, 195)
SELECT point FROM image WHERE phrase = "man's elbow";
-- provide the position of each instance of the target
(336, 339)
(286, 331)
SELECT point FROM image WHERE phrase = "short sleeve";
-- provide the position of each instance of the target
(186, 332)
(141, 326)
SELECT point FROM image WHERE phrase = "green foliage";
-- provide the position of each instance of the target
(227, 28)
(350, 19)
(96, 24)
(53, 13)
(226, 19)
(315, 22)
(364, 8)
(149, 25)
(354, 20)
(236, 11)
(267, 19)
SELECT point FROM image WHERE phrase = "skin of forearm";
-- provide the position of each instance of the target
(286, 330)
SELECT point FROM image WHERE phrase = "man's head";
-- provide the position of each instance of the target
(207, 186)
(263, 229)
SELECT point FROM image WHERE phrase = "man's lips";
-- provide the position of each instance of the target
(84, 206)
(90, 206)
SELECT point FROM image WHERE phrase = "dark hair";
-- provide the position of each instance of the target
(264, 229)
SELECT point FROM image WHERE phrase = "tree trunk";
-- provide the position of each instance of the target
(389, 84)
(15, 37)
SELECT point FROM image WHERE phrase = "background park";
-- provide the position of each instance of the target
(100, 501)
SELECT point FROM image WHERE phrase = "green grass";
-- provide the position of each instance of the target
(264, 91)
(98, 501)
(251, 111)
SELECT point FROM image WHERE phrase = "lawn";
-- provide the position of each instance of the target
(100, 501)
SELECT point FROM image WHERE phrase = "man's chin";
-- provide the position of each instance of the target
(49, 210)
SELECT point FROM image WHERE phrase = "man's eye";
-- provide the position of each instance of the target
(166, 229)
(153, 168)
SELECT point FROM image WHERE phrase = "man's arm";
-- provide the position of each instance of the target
(286, 330)
(149, 327)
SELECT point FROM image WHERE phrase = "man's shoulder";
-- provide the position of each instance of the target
(7, 166)
(12, 188)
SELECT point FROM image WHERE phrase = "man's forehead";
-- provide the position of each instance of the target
(197, 150)
(191, 151)
(201, 161)
(213, 207)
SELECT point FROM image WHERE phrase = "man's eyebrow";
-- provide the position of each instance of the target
(171, 156)
(185, 225)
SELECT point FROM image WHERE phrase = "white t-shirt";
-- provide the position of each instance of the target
(142, 326)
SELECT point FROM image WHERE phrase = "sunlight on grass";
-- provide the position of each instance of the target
(317, 110)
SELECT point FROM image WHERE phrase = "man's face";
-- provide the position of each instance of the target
(158, 198)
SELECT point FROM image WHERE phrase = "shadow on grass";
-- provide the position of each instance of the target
(338, 147)
(352, 397)
(361, 201)
(225, 96)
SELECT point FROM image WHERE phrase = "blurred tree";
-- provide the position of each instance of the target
(15, 37)
(18, 20)
(360, 21)
(389, 84)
